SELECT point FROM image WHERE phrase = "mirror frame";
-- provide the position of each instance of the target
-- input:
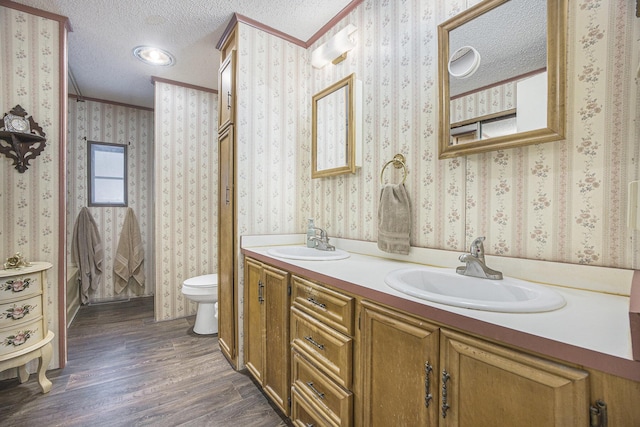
(556, 84)
(350, 83)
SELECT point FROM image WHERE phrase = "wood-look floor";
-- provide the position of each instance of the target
(125, 369)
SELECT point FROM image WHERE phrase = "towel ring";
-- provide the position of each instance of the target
(398, 162)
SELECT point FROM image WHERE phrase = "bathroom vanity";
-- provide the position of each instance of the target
(364, 354)
(24, 334)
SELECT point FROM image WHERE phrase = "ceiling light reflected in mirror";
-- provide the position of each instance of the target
(464, 62)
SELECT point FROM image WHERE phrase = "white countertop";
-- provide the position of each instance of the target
(593, 321)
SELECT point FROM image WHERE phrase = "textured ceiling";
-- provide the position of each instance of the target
(515, 45)
(105, 32)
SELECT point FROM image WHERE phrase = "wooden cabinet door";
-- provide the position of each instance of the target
(620, 395)
(276, 334)
(227, 299)
(399, 369)
(488, 385)
(254, 319)
(226, 94)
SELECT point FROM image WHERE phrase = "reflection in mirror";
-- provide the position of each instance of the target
(515, 94)
(331, 133)
(335, 134)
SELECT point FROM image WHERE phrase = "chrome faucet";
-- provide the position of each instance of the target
(321, 242)
(475, 266)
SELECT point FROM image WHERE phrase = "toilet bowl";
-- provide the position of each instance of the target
(204, 291)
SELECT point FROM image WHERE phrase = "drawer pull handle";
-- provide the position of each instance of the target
(313, 342)
(317, 303)
(427, 384)
(320, 395)
(445, 406)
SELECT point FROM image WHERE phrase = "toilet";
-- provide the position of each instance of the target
(204, 291)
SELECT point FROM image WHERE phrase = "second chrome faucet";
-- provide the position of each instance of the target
(321, 242)
(474, 263)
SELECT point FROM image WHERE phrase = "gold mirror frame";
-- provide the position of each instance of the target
(556, 86)
(349, 83)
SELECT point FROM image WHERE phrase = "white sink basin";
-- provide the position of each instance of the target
(307, 254)
(444, 285)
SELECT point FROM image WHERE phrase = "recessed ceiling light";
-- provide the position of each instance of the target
(154, 56)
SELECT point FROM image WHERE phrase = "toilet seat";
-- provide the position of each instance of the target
(205, 281)
(201, 285)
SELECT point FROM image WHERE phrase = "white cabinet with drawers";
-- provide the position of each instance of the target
(24, 334)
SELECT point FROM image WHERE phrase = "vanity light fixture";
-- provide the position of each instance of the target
(464, 62)
(335, 49)
(154, 56)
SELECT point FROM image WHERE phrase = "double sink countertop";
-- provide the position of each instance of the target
(592, 330)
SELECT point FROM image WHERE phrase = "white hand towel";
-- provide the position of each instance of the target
(394, 219)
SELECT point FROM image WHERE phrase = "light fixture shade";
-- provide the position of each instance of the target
(464, 62)
(335, 47)
(154, 56)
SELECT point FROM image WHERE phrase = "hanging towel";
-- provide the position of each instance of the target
(87, 253)
(129, 262)
(394, 219)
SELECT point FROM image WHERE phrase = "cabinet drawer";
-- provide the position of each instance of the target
(303, 415)
(21, 336)
(330, 307)
(19, 286)
(324, 347)
(14, 313)
(330, 400)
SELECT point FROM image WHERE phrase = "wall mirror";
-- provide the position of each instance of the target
(502, 70)
(335, 129)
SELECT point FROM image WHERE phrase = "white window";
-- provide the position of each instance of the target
(107, 174)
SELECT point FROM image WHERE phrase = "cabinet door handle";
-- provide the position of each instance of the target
(317, 303)
(227, 195)
(319, 394)
(313, 342)
(228, 100)
(445, 406)
(260, 292)
(427, 384)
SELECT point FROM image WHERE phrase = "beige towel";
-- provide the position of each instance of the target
(129, 262)
(394, 219)
(87, 253)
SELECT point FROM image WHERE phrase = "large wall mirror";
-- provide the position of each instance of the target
(502, 70)
(335, 135)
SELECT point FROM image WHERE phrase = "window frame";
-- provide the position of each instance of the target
(91, 176)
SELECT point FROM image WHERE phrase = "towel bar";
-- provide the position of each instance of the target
(398, 162)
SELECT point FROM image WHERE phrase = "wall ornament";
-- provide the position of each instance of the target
(21, 138)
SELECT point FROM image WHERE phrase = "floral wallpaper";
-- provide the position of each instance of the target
(104, 122)
(185, 193)
(30, 77)
(562, 201)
